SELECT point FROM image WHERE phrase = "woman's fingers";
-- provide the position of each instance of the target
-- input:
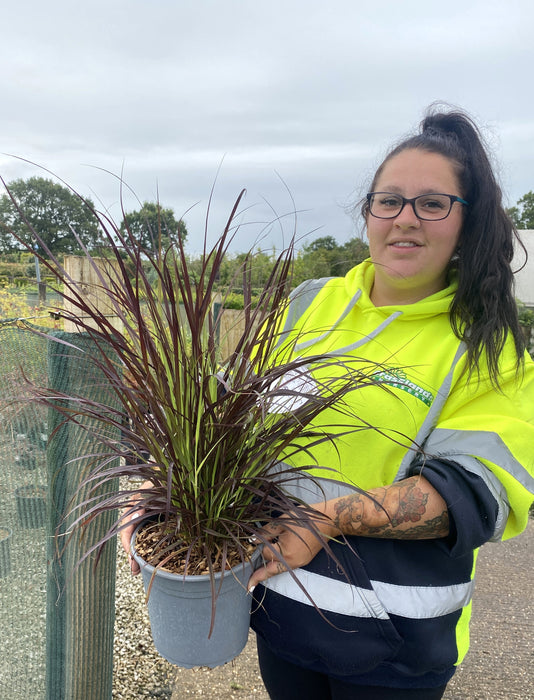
(285, 548)
(126, 538)
(270, 568)
(127, 531)
(134, 566)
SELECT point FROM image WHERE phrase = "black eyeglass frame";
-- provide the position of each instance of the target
(405, 200)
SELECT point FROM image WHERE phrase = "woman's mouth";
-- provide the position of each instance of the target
(405, 244)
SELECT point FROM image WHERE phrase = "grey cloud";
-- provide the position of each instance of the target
(304, 94)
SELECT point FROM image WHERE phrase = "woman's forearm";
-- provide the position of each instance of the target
(410, 509)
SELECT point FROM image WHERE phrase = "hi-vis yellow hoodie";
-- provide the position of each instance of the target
(405, 610)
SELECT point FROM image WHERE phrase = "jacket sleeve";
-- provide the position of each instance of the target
(489, 432)
(473, 508)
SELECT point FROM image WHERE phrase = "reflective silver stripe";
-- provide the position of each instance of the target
(480, 443)
(438, 442)
(358, 344)
(328, 595)
(301, 299)
(423, 602)
(414, 602)
(431, 418)
(313, 489)
(312, 341)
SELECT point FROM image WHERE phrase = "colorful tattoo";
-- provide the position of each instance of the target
(398, 511)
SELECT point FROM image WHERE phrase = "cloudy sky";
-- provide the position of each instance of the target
(294, 100)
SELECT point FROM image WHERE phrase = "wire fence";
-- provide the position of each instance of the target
(56, 619)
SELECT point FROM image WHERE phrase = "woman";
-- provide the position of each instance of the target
(450, 466)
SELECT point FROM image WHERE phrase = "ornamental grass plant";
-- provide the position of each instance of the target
(194, 439)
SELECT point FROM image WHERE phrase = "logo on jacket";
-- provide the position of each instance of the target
(398, 379)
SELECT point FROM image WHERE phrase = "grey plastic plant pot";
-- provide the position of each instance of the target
(5, 550)
(179, 610)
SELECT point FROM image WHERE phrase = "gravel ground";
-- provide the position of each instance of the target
(498, 666)
(138, 670)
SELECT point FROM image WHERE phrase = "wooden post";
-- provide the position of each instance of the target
(42, 293)
(230, 330)
(85, 276)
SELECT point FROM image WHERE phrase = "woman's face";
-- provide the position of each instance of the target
(411, 256)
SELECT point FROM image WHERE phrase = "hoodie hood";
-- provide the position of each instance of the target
(341, 308)
(362, 277)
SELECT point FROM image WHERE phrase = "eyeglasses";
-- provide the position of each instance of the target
(428, 207)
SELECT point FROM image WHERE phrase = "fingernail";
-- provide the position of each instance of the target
(251, 590)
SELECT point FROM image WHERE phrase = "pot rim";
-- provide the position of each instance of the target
(150, 568)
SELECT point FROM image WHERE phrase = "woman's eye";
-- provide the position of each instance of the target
(437, 204)
(391, 202)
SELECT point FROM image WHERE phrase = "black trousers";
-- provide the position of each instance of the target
(285, 681)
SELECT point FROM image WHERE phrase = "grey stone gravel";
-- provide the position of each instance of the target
(138, 670)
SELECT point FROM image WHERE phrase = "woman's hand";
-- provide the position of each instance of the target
(291, 546)
(127, 532)
(126, 538)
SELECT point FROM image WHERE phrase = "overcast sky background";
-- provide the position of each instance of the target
(295, 100)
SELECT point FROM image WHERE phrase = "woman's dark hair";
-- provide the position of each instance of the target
(484, 310)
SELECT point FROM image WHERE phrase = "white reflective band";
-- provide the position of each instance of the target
(423, 602)
(328, 594)
(415, 602)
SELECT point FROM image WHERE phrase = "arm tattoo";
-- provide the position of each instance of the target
(397, 511)
(427, 530)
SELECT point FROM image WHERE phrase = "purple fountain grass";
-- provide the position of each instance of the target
(199, 430)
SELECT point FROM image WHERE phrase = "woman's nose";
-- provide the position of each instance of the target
(407, 216)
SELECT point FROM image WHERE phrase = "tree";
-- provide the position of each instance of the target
(152, 225)
(52, 210)
(324, 257)
(523, 214)
(321, 244)
(352, 252)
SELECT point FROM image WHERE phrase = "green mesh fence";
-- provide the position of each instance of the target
(56, 619)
